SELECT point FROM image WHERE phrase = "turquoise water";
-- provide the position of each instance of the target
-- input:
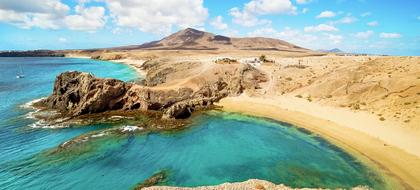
(17, 141)
(216, 148)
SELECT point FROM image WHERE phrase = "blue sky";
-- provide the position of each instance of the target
(363, 26)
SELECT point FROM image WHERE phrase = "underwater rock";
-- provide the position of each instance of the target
(153, 180)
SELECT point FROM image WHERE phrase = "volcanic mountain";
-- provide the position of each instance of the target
(192, 39)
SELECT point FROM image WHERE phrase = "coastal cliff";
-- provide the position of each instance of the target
(77, 93)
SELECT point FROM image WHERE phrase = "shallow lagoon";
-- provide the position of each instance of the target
(218, 147)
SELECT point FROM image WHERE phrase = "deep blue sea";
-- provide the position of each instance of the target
(216, 148)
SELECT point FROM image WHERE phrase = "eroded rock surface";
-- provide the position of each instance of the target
(76, 93)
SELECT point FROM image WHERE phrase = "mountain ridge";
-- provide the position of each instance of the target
(193, 39)
(334, 50)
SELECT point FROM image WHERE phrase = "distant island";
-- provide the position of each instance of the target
(32, 53)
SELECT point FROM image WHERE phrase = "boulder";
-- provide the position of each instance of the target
(76, 93)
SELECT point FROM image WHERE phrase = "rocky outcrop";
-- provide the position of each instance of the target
(184, 109)
(153, 180)
(76, 93)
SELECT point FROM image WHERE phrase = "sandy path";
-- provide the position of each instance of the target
(392, 149)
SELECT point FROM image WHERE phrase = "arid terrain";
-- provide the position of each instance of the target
(369, 105)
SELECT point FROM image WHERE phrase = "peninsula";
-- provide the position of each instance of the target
(368, 105)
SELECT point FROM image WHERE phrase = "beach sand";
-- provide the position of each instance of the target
(136, 64)
(391, 149)
(366, 105)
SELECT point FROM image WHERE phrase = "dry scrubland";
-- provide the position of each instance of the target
(387, 87)
(375, 98)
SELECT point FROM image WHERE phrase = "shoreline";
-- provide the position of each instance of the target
(389, 160)
(387, 147)
(135, 64)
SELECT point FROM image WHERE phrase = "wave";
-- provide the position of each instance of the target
(130, 128)
(101, 134)
(30, 104)
(41, 124)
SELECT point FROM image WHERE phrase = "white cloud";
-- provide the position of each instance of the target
(326, 14)
(51, 14)
(321, 28)
(231, 33)
(27, 14)
(305, 10)
(62, 40)
(288, 34)
(347, 20)
(364, 35)
(373, 23)
(159, 16)
(263, 32)
(86, 19)
(116, 30)
(264, 7)
(35, 6)
(334, 39)
(249, 15)
(389, 35)
(218, 23)
(246, 19)
(303, 1)
(300, 38)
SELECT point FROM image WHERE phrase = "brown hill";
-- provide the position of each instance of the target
(192, 39)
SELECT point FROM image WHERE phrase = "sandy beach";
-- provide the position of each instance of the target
(389, 146)
(136, 64)
(354, 132)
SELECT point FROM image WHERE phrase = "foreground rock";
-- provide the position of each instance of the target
(252, 184)
(153, 180)
(76, 93)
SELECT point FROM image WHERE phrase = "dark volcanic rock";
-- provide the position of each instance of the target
(152, 180)
(76, 93)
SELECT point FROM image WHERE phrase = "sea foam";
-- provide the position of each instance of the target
(129, 128)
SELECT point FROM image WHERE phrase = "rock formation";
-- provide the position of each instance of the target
(76, 93)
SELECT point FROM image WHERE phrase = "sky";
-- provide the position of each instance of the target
(389, 27)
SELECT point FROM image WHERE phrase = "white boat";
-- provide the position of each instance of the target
(19, 73)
